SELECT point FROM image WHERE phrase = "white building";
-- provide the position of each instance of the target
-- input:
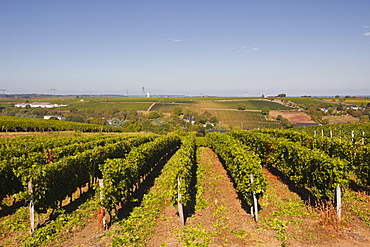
(58, 117)
(39, 104)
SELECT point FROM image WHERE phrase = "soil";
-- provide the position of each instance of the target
(293, 116)
(223, 219)
(341, 119)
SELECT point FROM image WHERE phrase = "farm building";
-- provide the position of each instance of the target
(355, 107)
(306, 124)
(39, 104)
(54, 116)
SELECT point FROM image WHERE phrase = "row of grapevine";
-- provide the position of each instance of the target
(331, 145)
(16, 147)
(355, 153)
(181, 166)
(356, 132)
(11, 169)
(240, 163)
(120, 175)
(56, 180)
(311, 168)
(19, 124)
(136, 229)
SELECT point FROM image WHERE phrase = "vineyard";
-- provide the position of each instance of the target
(270, 187)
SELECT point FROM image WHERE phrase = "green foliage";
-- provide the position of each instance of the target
(241, 107)
(240, 162)
(21, 155)
(178, 111)
(281, 95)
(265, 111)
(181, 165)
(132, 126)
(311, 168)
(355, 154)
(155, 114)
(120, 175)
(134, 230)
(19, 124)
(64, 224)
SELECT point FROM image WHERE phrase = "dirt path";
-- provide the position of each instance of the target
(285, 219)
(220, 222)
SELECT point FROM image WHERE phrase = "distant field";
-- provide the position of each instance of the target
(247, 104)
(243, 119)
(307, 101)
(341, 119)
(293, 116)
(168, 107)
(350, 101)
(99, 106)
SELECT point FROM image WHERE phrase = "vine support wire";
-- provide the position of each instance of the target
(32, 207)
(255, 202)
(180, 207)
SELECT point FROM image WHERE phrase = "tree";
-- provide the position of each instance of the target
(285, 122)
(132, 126)
(154, 114)
(76, 118)
(280, 95)
(213, 120)
(241, 107)
(325, 121)
(364, 118)
(340, 107)
(132, 114)
(116, 122)
(178, 111)
(265, 111)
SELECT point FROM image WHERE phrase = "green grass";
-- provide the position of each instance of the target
(307, 101)
(168, 107)
(247, 104)
(103, 105)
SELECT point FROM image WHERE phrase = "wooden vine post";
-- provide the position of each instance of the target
(338, 196)
(255, 202)
(102, 219)
(180, 207)
(32, 207)
(363, 137)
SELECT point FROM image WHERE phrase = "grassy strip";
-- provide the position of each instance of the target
(357, 205)
(137, 228)
(283, 212)
(15, 229)
(196, 236)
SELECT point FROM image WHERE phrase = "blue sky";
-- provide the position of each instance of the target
(204, 47)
